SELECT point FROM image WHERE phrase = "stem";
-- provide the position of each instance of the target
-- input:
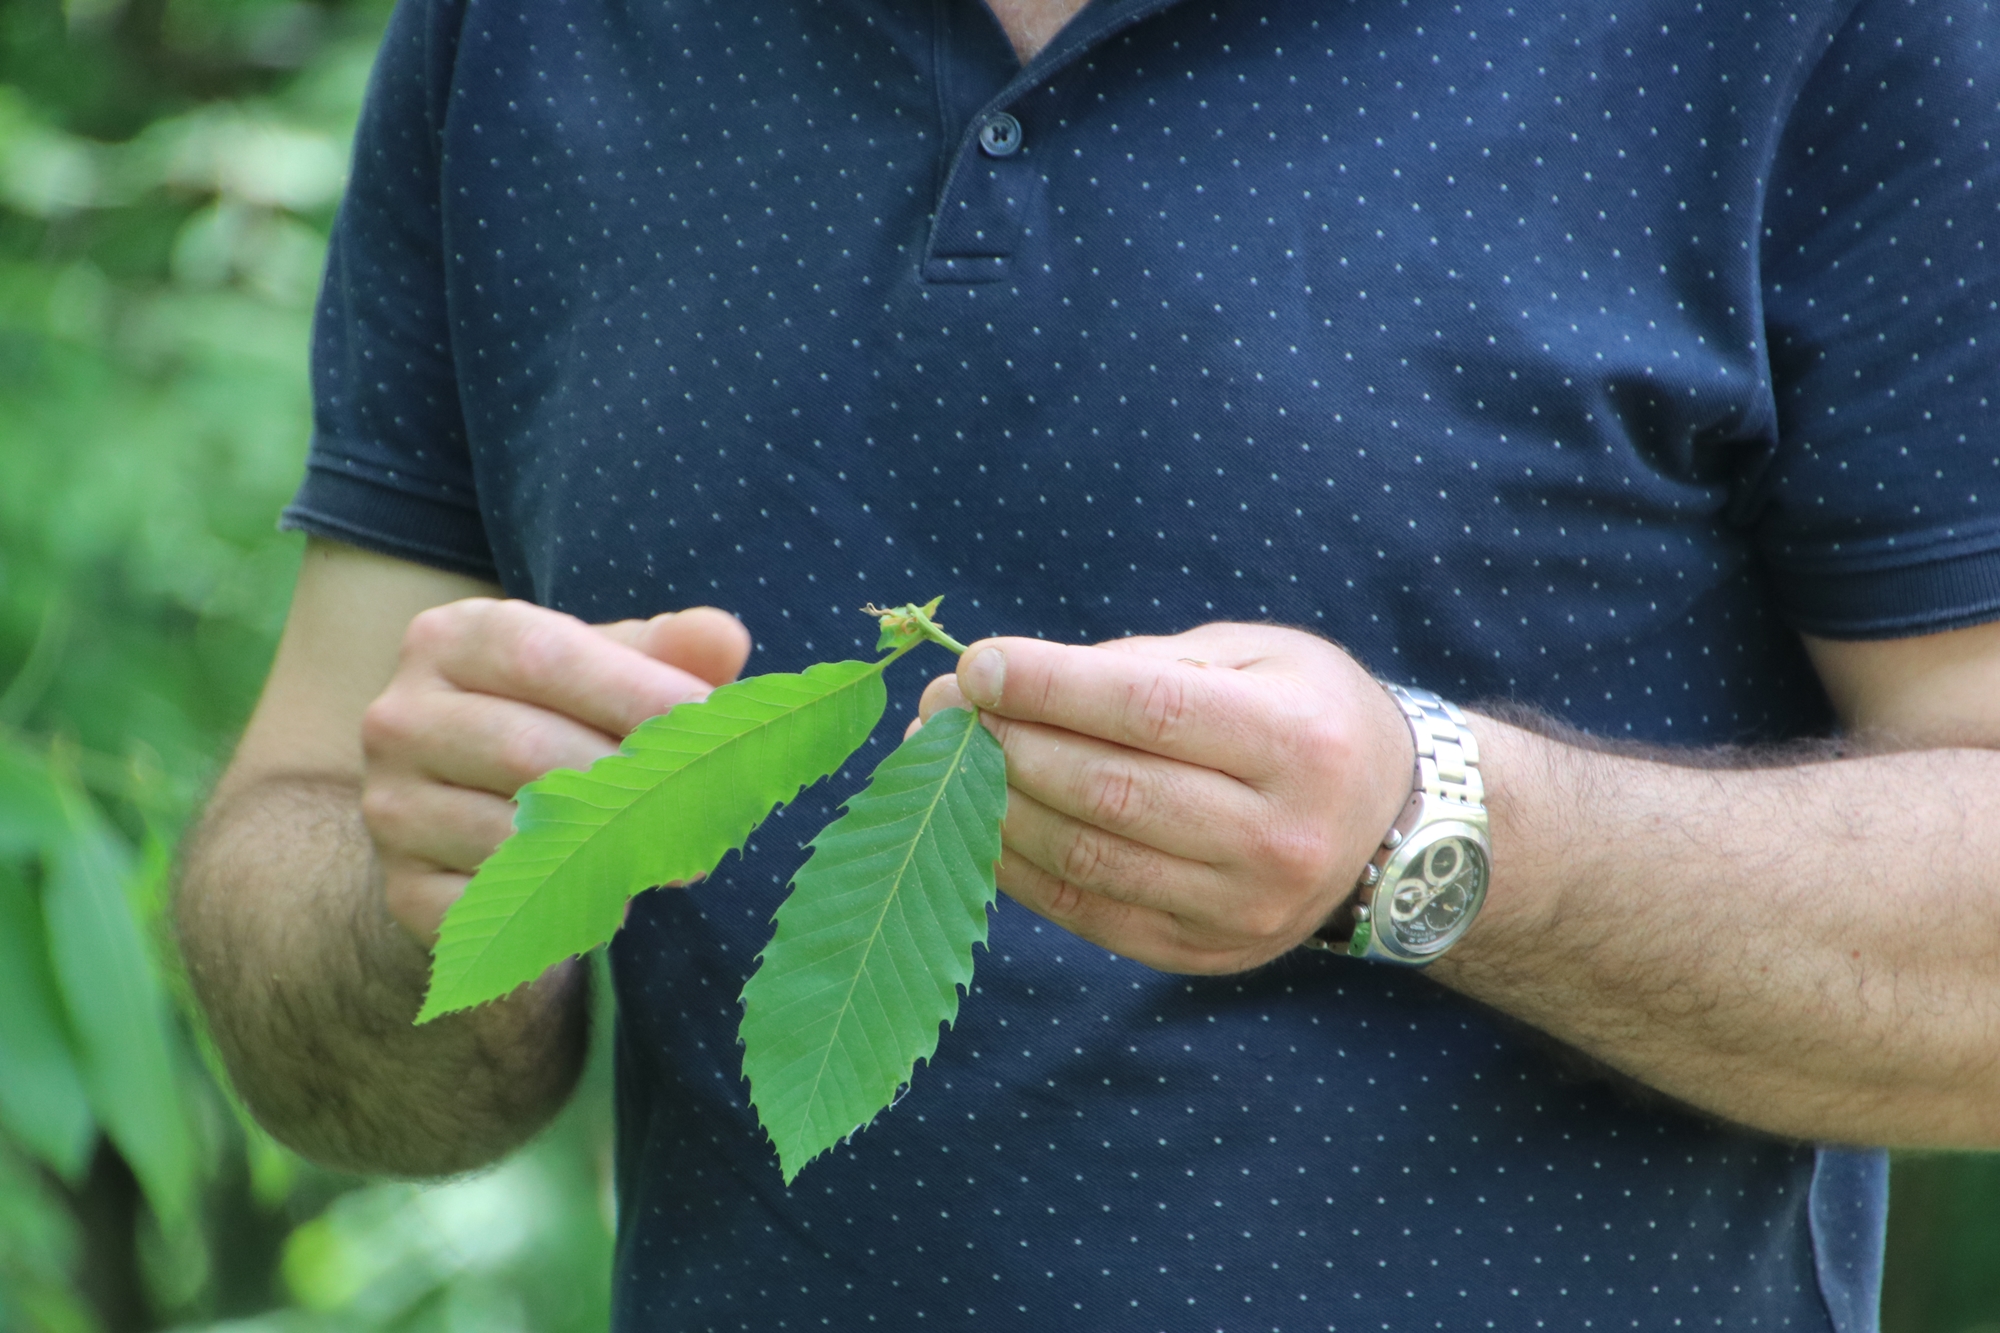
(936, 635)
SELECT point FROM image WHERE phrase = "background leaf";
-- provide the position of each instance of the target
(155, 303)
(117, 1009)
(683, 791)
(42, 1101)
(875, 939)
(30, 814)
(38, 1250)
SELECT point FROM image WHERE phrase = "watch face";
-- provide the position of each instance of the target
(1440, 888)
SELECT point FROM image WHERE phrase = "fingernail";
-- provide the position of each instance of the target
(982, 679)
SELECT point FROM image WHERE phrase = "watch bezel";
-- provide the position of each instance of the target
(1377, 934)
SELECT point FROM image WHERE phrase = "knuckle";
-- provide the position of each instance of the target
(382, 810)
(433, 631)
(1085, 859)
(1292, 853)
(1164, 709)
(1111, 794)
(1065, 900)
(539, 656)
(430, 630)
(522, 754)
(1321, 743)
(388, 727)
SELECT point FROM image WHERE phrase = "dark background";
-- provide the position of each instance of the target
(168, 169)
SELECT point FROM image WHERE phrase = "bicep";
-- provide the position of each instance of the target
(1935, 689)
(341, 643)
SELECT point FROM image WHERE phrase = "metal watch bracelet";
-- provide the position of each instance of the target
(1447, 797)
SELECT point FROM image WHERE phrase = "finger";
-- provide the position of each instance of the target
(1142, 934)
(703, 641)
(1223, 645)
(1194, 813)
(452, 828)
(1099, 862)
(482, 742)
(1198, 715)
(418, 896)
(624, 632)
(941, 693)
(1310, 711)
(1182, 809)
(542, 657)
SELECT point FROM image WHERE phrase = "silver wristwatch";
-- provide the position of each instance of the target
(1420, 891)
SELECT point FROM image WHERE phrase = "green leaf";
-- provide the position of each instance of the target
(117, 1009)
(30, 815)
(42, 1101)
(687, 788)
(875, 939)
(39, 1246)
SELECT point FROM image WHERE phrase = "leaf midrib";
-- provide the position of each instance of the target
(875, 934)
(466, 963)
(704, 757)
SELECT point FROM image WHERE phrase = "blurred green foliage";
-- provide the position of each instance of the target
(168, 169)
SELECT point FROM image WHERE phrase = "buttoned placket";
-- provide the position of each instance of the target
(995, 174)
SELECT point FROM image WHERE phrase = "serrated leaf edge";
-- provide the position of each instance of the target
(888, 901)
(467, 963)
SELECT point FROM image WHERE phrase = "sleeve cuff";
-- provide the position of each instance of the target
(1882, 601)
(355, 509)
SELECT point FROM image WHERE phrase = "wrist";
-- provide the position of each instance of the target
(1425, 883)
(1535, 815)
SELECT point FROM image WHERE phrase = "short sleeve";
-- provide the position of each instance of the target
(390, 467)
(1880, 513)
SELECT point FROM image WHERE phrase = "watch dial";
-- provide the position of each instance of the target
(1437, 892)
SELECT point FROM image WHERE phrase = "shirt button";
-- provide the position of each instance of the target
(999, 135)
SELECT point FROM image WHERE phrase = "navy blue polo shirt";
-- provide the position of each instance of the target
(1575, 355)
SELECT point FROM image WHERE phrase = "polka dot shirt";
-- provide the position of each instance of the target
(1575, 356)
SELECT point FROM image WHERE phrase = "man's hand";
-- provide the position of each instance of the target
(490, 695)
(305, 921)
(1802, 947)
(1199, 803)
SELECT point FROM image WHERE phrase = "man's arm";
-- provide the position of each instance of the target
(1808, 948)
(376, 773)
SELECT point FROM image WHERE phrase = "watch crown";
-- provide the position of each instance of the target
(1371, 875)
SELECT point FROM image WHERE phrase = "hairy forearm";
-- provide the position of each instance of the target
(310, 990)
(1811, 949)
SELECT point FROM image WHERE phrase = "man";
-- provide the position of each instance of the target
(1634, 368)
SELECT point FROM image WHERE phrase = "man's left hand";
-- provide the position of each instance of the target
(1199, 803)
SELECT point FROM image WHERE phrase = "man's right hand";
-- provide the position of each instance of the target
(404, 710)
(489, 695)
